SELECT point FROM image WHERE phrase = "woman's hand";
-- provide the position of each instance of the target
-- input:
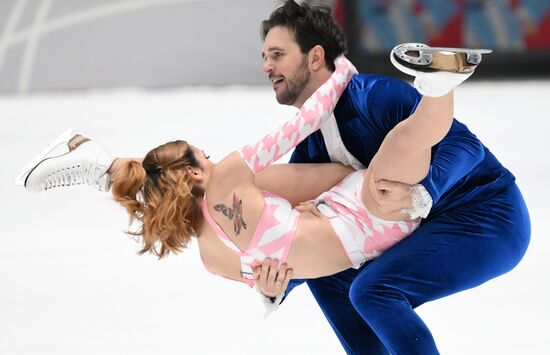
(271, 280)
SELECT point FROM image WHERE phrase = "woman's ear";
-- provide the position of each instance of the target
(317, 57)
(196, 174)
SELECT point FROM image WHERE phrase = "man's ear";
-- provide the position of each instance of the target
(317, 58)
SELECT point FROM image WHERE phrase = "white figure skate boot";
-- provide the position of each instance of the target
(86, 162)
(437, 70)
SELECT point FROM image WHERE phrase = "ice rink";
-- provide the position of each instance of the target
(71, 282)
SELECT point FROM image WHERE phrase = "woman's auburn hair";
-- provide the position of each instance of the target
(161, 196)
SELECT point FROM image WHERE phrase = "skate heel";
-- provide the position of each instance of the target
(412, 57)
(64, 138)
(76, 141)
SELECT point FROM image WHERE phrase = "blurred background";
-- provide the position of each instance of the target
(81, 44)
(133, 74)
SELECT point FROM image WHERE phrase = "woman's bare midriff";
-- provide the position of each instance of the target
(316, 250)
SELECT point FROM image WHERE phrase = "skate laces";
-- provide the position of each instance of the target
(76, 174)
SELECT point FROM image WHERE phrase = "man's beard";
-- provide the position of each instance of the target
(295, 86)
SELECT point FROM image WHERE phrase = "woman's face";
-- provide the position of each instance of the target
(203, 159)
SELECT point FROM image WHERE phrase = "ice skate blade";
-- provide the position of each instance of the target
(420, 57)
(64, 138)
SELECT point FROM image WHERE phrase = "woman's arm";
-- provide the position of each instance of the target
(301, 182)
(258, 156)
(236, 170)
(315, 111)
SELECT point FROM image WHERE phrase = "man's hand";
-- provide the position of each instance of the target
(270, 280)
(390, 196)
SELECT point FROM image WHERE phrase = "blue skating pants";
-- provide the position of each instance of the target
(372, 309)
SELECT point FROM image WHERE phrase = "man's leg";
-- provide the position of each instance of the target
(451, 252)
(332, 295)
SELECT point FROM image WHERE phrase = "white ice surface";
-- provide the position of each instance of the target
(71, 283)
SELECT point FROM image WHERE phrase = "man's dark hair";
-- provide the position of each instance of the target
(310, 26)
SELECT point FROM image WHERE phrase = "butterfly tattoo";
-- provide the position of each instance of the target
(235, 213)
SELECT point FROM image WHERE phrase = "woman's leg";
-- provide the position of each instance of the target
(404, 155)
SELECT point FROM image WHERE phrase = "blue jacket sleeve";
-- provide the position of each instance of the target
(452, 159)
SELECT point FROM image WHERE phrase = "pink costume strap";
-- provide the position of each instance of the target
(316, 110)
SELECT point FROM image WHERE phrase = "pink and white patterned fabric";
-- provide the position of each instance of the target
(363, 235)
(315, 111)
(272, 238)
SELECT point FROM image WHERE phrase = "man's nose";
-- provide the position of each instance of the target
(268, 67)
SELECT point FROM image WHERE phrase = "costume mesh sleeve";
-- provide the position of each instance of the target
(316, 110)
